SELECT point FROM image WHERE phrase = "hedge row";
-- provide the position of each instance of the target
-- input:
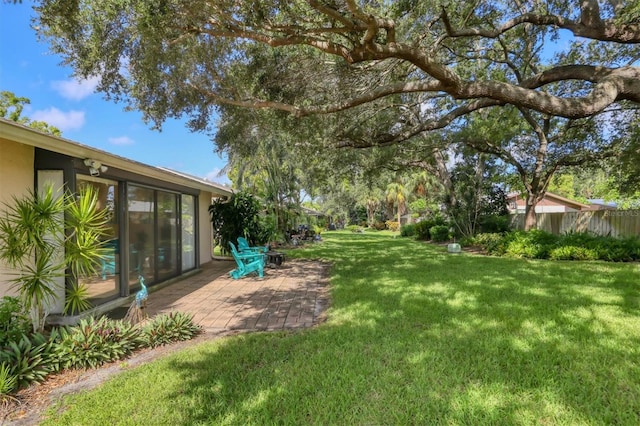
(537, 244)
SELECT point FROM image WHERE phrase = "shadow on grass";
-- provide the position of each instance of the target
(418, 336)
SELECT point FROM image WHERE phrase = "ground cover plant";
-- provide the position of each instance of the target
(414, 336)
(31, 357)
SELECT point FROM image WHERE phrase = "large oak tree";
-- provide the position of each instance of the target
(390, 70)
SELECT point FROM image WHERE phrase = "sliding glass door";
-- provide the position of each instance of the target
(106, 284)
(167, 230)
(154, 235)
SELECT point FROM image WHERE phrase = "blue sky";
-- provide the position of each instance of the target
(29, 70)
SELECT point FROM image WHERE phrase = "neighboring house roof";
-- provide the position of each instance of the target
(311, 212)
(515, 196)
(601, 204)
(15, 132)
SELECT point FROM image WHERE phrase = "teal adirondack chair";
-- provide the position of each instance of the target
(246, 263)
(244, 247)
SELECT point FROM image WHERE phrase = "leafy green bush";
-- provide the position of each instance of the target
(534, 244)
(354, 228)
(408, 230)
(14, 322)
(28, 358)
(423, 228)
(492, 243)
(171, 327)
(537, 244)
(94, 342)
(439, 233)
(494, 223)
(572, 253)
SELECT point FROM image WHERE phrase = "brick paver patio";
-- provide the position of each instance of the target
(291, 296)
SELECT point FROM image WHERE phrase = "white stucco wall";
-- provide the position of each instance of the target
(204, 224)
(16, 178)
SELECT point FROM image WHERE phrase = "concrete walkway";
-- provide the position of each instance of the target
(292, 296)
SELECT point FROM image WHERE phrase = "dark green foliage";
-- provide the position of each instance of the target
(534, 244)
(573, 246)
(408, 230)
(237, 217)
(439, 233)
(94, 342)
(168, 328)
(423, 228)
(14, 322)
(28, 358)
(491, 242)
(494, 223)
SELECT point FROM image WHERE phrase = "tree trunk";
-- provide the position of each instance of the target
(530, 221)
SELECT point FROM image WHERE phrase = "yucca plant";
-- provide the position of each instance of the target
(76, 299)
(44, 234)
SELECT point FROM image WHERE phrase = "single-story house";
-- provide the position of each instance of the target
(159, 222)
(551, 203)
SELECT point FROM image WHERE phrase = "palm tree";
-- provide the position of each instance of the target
(397, 196)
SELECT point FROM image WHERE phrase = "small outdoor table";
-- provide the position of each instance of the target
(275, 258)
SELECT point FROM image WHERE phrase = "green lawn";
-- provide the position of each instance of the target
(414, 336)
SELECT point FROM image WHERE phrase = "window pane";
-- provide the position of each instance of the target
(141, 235)
(167, 256)
(106, 285)
(188, 233)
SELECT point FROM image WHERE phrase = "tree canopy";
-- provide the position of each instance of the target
(175, 57)
(543, 85)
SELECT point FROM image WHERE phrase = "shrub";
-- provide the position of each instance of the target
(423, 228)
(14, 322)
(408, 230)
(167, 328)
(29, 359)
(392, 225)
(572, 253)
(534, 244)
(492, 243)
(439, 233)
(494, 224)
(94, 342)
(354, 228)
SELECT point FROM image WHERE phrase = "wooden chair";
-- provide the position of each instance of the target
(247, 263)
(243, 247)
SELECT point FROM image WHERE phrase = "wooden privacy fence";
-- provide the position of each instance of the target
(613, 223)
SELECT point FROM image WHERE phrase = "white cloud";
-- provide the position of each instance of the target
(62, 120)
(214, 176)
(121, 140)
(75, 89)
